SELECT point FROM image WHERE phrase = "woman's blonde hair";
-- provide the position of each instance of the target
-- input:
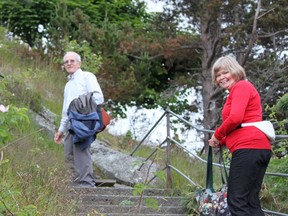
(231, 65)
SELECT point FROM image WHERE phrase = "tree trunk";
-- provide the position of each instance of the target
(210, 36)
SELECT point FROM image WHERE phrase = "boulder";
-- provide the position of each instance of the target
(123, 167)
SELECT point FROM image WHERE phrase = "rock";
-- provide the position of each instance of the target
(122, 167)
(46, 120)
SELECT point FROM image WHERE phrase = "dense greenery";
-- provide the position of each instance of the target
(39, 18)
(148, 59)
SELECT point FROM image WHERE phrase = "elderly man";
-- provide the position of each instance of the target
(78, 159)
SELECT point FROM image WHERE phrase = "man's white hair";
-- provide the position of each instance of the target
(77, 56)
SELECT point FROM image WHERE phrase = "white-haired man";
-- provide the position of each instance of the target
(80, 82)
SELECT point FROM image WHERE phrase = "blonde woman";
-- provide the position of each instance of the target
(250, 147)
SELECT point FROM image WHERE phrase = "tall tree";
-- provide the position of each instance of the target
(27, 19)
(246, 29)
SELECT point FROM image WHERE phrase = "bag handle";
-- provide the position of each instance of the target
(221, 161)
(209, 173)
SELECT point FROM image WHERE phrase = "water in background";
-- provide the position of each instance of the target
(140, 121)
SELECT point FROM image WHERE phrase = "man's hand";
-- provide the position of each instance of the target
(58, 137)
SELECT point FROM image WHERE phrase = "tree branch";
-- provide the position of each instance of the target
(265, 35)
(253, 35)
(163, 53)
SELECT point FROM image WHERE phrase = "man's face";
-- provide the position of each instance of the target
(71, 64)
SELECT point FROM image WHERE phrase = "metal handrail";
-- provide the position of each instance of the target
(217, 164)
(155, 150)
(186, 177)
(198, 130)
(168, 140)
(147, 134)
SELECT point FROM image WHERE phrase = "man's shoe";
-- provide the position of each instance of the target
(83, 186)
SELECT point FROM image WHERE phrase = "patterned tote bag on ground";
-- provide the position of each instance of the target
(213, 203)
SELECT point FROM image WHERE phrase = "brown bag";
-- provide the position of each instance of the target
(105, 118)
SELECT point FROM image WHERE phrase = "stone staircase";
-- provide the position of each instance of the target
(120, 201)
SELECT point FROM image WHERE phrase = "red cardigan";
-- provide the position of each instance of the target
(242, 105)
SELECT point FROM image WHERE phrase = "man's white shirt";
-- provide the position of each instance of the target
(80, 82)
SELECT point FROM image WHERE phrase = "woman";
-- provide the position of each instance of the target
(250, 148)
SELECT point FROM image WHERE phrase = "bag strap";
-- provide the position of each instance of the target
(224, 178)
(209, 173)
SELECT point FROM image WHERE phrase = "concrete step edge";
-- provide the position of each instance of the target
(128, 209)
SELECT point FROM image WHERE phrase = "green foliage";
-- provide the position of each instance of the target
(23, 94)
(281, 107)
(116, 11)
(29, 210)
(31, 172)
(189, 201)
(41, 13)
(261, 71)
(152, 203)
(161, 175)
(177, 101)
(11, 208)
(29, 17)
(11, 122)
(127, 140)
(148, 98)
(139, 188)
(274, 193)
(32, 179)
(278, 112)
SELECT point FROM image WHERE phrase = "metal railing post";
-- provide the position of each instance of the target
(168, 151)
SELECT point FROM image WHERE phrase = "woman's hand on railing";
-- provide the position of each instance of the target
(213, 142)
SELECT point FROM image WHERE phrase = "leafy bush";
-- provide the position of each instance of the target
(279, 111)
(12, 121)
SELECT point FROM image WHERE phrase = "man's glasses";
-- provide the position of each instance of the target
(69, 62)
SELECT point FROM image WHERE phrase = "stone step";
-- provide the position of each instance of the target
(133, 210)
(111, 201)
(105, 182)
(120, 199)
(133, 214)
(128, 214)
(125, 191)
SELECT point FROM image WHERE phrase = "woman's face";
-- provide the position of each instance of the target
(225, 80)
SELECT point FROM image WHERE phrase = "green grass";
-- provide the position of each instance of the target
(33, 177)
(32, 172)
